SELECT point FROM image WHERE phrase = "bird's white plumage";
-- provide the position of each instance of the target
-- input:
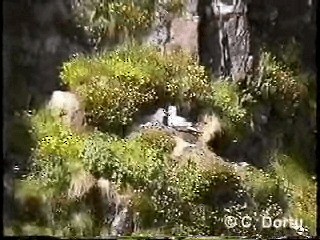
(156, 118)
(176, 121)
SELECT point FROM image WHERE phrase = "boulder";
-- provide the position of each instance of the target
(122, 223)
(68, 108)
(180, 146)
(183, 36)
(210, 127)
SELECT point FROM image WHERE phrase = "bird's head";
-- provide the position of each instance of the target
(162, 112)
(172, 110)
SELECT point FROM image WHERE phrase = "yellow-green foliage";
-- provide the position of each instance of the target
(158, 139)
(280, 80)
(266, 188)
(202, 192)
(226, 96)
(118, 18)
(28, 230)
(288, 187)
(58, 153)
(302, 189)
(115, 86)
(56, 138)
(198, 183)
(134, 162)
(276, 84)
(165, 193)
(31, 201)
(113, 18)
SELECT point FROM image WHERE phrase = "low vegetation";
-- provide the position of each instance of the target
(167, 196)
(111, 22)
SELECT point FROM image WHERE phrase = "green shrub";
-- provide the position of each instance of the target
(177, 198)
(58, 153)
(276, 84)
(302, 189)
(115, 86)
(266, 188)
(157, 139)
(167, 194)
(118, 19)
(125, 162)
(226, 96)
(226, 99)
(31, 202)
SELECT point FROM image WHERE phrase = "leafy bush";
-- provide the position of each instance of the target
(157, 139)
(301, 187)
(166, 194)
(276, 84)
(178, 197)
(115, 86)
(31, 202)
(226, 96)
(266, 188)
(226, 100)
(285, 190)
(58, 153)
(118, 19)
(125, 162)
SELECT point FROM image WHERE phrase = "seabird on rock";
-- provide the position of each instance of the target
(176, 121)
(156, 119)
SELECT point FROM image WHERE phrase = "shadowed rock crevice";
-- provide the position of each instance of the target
(278, 23)
(224, 38)
(37, 37)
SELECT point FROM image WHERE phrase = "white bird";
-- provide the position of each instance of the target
(243, 164)
(16, 168)
(176, 121)
(154, 119)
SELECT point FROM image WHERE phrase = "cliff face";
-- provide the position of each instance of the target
(225, 35)
(231, 33)
(39, 36)
(277, 22)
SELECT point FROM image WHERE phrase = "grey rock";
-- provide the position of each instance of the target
(160, 34)
(69, 105)
(192, 7)
(181, 146)
(41, 36)
(225, 38)
(122, 223)
(183, 36)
